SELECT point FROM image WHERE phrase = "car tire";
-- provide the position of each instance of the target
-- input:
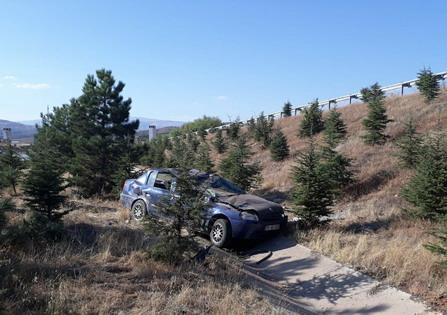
(139, 210)
(220, 233)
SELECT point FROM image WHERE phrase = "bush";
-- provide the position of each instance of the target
(334, 128)
(440, 248)
(287, 109)
(409, 145)
(263, 130)
(219, 142)
(312, 122)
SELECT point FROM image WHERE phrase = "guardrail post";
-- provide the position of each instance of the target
(402, 88)
(352, 97)
(331, 102)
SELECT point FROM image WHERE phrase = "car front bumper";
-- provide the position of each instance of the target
(242, 229)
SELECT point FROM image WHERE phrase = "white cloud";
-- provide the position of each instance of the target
(9, 78)
(222, 98)
(32, 86)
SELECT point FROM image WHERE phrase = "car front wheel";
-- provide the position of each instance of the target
(220, 234)
(138, 210)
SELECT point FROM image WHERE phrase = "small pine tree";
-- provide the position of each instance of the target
(251, 127)
(287, 109)
(312, 195)
(219, 142)
(279, 147)
(428, 84)
(44, 183)
(203, 161)
(233, 130)
(440, 248)
(11, 166)
(312, 121)
(337, 168)
(409, 146)
(236, 166)
(376, 121)
(263, 130)
(185, 211)
(427, 189)
(334, 128)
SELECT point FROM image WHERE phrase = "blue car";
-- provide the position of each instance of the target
(231, 214)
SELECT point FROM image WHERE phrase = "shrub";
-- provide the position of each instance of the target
(263, 130)
(409, 145)
(279, 147)
(219, 142)
(287, 109)
(11, 166)
(440, 248)
(334, 128)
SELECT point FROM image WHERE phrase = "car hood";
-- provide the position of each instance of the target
(264, 208)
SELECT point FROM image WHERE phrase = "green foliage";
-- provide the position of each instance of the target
(409, 145)
(279, 148)
(201, 124)
(44, 183)
(440, 248)
(155, 151)
(334, 128)
(251, 127)
(427, 189)
(236, 166)
(234, 129)
(287, 109)
(102, 134)
(312, 194)
(428, 84)
(219, 142)
(5, 205)
(203, 161)
(184, 211)
(312, 121)
(376, 120)
(263, 130)
(11, 166)
(337, 169)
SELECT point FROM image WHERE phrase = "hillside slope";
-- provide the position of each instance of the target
(372, 235)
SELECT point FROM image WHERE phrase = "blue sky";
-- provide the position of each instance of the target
(183, 59)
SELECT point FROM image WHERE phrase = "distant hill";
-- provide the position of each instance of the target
(19, 131)
(144, 123)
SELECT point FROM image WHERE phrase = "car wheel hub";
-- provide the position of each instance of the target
(217, 233)
(138, 212)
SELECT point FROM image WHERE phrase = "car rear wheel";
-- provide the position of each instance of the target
(139, 210)
(220, 234)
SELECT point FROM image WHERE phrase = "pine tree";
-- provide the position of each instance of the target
(334, 128)
(279, 147)
(312, 195)
(102, 134)
(185, 211)
(203, 161)
(287, 109)
(219, 142)
(440, 248)
(11, 166)
(312, 121)
(233, 129)
(428, 84)
(263, 130)
(427, 189)
(236, 166)
(251, 127)
(337, 169)
(409, 145)
(376, 121)
(44, 184)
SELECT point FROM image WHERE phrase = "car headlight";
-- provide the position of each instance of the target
(249, 216)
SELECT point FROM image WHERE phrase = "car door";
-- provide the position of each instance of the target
(158, 191)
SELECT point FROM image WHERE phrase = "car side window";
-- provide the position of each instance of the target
(163, 181)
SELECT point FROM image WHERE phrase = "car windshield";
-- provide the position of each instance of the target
(219, 185)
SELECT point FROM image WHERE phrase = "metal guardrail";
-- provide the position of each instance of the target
(397, 86)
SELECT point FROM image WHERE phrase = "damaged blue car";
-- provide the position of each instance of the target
(231, 214)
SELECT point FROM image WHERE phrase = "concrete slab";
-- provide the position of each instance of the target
(325, 286)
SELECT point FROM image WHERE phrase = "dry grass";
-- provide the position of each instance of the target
(374, 235)
(101, 267)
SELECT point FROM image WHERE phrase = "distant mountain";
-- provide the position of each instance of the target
(19, 131)
(144, 123)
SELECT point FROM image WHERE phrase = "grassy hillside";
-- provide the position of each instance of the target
(372, 233)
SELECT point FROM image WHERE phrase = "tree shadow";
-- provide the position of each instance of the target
(369, 185)
(370, 226)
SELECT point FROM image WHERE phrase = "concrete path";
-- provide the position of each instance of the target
(325, 286)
